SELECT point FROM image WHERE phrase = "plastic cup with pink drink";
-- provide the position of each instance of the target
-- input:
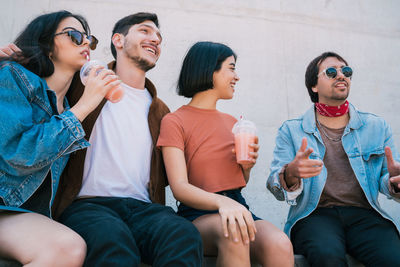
(245, 134)
(115, 94)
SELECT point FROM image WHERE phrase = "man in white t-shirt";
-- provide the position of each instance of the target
(117, 185)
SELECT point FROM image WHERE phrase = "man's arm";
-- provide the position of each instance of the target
(289, 167)
(393, 167)
(390, 174)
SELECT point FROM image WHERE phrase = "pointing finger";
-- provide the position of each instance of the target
(389, 156)
(303, 145)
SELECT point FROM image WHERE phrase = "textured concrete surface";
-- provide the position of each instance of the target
(274, 40)
(300, 261)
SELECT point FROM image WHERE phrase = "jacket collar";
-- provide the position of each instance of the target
(310, 126)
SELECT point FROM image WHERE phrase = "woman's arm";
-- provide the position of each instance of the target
(231, 211)
(29, 142)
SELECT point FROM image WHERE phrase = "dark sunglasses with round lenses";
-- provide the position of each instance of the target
(332, 72)
(77, 37)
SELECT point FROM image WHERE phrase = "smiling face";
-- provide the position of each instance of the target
(66, 54)
(225, 79)
(332, 92)
(142, 44)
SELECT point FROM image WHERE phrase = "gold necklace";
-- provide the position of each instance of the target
(326, 135)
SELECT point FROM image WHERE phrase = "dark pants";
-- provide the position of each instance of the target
(327, 234)
(124, 231)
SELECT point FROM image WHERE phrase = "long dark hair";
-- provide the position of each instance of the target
(36, 42)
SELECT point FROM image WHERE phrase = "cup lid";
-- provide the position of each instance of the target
(244, 125)
(84, 72)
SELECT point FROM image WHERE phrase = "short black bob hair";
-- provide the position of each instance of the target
(313, 70)
(199, 65)
(123, 25)
(36, 42)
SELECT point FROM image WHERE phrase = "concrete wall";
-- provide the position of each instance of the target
(275, 40)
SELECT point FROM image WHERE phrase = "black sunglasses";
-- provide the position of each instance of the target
(331, 72)
(77, 37)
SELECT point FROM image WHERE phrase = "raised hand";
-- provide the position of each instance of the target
(302, 166)
(393, 169)
(235, 216)
(7, 51)
(96, 88)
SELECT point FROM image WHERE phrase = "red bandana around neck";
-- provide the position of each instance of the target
(332, 111)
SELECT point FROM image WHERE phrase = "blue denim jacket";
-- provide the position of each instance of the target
(35, 138)
(364, 140)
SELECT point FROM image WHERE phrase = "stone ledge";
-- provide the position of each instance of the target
(300, 261)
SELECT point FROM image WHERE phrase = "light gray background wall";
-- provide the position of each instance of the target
(275, 40)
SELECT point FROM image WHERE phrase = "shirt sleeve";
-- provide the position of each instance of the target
(171, 132)
(284, 153)
(386, 187)
(29, 143)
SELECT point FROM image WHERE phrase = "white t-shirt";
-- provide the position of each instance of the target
(117, 163)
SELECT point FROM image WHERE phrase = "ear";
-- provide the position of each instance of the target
(314, 89)
(118, 40)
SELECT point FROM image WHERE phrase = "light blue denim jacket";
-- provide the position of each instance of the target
(35, 138)
(364, 140)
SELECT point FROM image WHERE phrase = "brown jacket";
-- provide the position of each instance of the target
(71, 179)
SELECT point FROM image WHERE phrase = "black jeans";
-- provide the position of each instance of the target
(125, 231)
(327, 234)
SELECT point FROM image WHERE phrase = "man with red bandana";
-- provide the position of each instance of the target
(330, 165)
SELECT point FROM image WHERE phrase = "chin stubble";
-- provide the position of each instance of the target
(141, 63)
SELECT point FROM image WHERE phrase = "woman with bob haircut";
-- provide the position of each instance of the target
(197, 143)
(38, 132)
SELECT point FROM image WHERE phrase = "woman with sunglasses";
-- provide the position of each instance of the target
(197, 143)
(38, 132)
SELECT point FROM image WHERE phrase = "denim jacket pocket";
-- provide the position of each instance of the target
(374, 160)
(373, 154)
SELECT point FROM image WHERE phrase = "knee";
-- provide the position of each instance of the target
(227, 245)
(69, 249)
(279, 244)
(283, 244)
